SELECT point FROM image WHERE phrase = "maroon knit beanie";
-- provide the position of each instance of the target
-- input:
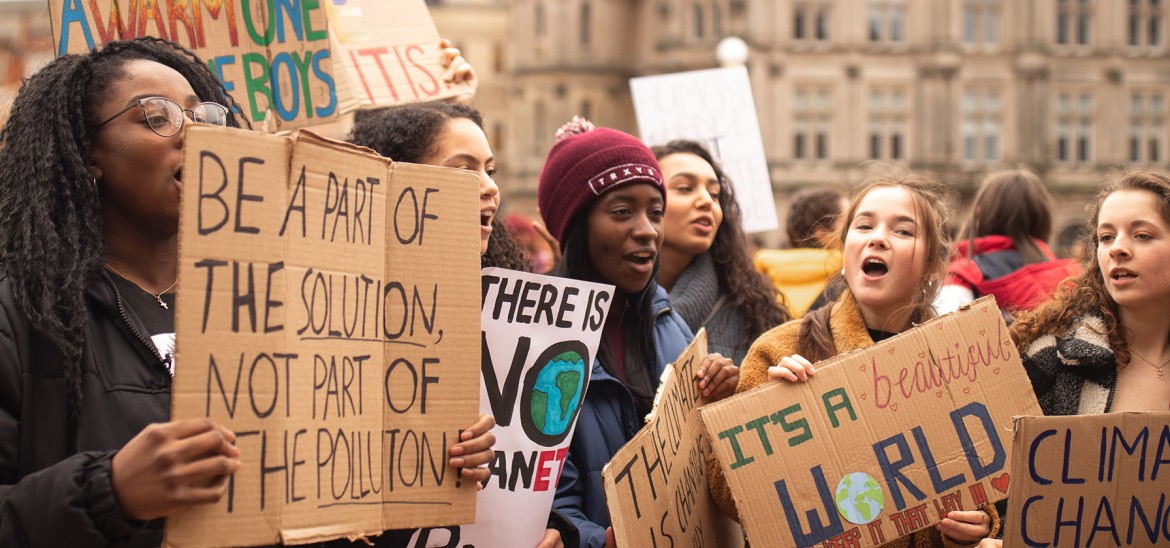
(585, 162)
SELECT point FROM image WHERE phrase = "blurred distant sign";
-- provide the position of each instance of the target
(716, 108)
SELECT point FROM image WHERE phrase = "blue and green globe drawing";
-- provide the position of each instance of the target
(557, 392)
(859, 498)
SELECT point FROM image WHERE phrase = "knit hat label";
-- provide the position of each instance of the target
(620, 174)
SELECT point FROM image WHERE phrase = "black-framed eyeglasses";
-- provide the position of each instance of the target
(165, 117)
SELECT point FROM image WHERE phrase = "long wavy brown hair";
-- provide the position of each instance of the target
(931, 204)
(1086, 294)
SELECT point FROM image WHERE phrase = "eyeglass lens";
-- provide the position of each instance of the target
(166, 116)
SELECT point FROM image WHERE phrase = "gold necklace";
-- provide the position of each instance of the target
(158, 296)
(1159, 368)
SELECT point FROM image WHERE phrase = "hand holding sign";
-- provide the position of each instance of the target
(966, 526)
(458, 71)
(474, 450)
(717, 377)
(794, 368)
(173, 465)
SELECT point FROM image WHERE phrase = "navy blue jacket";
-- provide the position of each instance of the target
(607, 421)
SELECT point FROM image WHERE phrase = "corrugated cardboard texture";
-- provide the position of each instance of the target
(328, 314)
(387, 53)
(656, 485)
(925, 414)
(1090, 480)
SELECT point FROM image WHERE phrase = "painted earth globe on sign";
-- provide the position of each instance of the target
(557, 393)
(859, 498)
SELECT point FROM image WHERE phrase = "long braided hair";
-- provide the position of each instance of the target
(52, 239)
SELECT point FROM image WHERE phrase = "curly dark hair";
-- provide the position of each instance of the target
(52, 239)
(745, 287)
(1086, 293)
(407, 133)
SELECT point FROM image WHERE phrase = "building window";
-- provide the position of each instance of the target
(539, 128)
(1073, 21)
(586, 23)
(498, 136)
(1146, 128)
(810, 20)
(887, 20)
(540, 22)
(980, 22)
(887, 124)
(810, 140)
(1144, 23)
(698, 11)
(1074, 128)
(586, 110)
(982, 126)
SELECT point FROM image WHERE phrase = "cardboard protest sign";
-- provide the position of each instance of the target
(326, 314)
(387, 52)
(882, 442)
(716, 108)
(656, 485)
(540, 336)
(1090, 480)
(273, 56)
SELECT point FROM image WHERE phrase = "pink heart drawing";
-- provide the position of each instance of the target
(894, 407)
(863, 395)
(966, 389)
(982, 332)
(996, 370)
(891, 350)
(862, 367)
(938, 394)
(922, 354)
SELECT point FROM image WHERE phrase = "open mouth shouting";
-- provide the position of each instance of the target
(642, 260)
(874, 268)
(486, 215)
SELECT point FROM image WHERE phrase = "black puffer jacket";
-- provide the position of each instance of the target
(55, 476)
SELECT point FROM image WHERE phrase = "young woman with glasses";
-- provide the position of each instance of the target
(91, 168)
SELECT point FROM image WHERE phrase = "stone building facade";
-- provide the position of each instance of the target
(1072, 88)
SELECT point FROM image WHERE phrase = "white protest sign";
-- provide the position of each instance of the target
(716, 108)
(540, 336)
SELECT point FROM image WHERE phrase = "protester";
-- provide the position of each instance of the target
(1102, 345)
(1003, 249)
(447, 135)
(91, 163)
(704, 260)
(602, 197)
(802, 272)
(894, 255)
(451, 135)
